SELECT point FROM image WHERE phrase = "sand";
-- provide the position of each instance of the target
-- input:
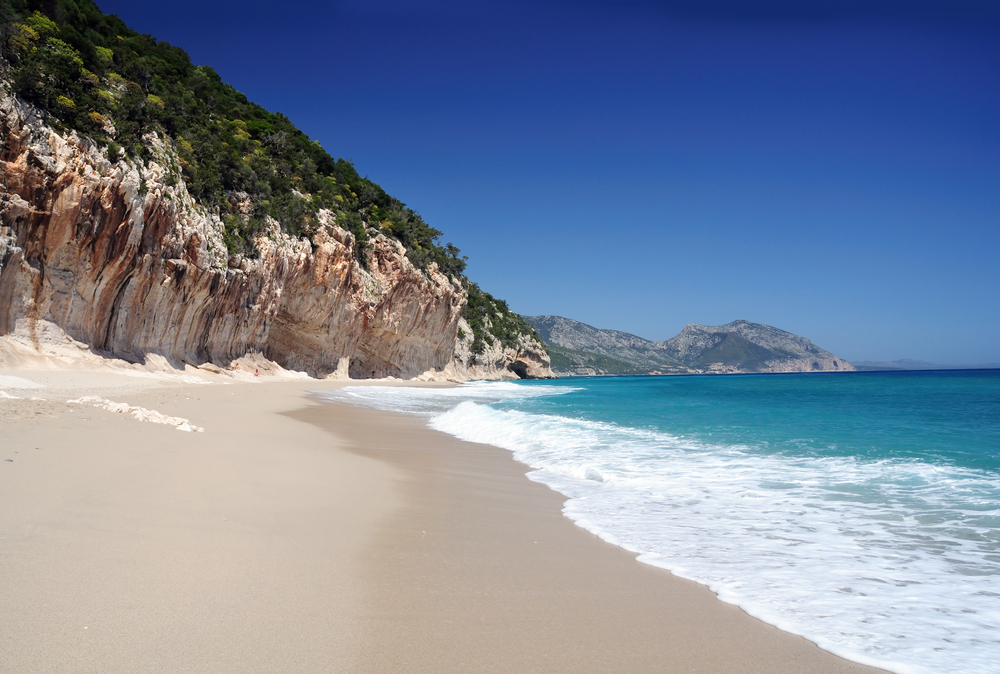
(295, 536)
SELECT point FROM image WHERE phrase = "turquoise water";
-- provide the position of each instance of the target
(859, 510)
(946, 417)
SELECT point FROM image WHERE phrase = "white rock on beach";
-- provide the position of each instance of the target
(140, 413)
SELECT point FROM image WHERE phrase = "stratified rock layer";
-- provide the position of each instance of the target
(113, 256)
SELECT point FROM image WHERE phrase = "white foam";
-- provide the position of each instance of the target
(892, 563)
(430, 401)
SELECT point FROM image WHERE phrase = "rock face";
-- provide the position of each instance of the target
(737, 347)
(120, 258)
(526, 360)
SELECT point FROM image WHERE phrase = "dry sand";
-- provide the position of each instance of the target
(293, 536)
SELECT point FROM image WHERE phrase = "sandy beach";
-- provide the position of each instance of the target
(298, 536)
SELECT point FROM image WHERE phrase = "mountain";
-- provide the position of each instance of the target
(573, 362)
(742, 346)
(737, 347)
(147, 208)
(576, 345)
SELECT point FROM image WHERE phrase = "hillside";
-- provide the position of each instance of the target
(582, 344)
(149, 207)
(582, 363)
(737, 347)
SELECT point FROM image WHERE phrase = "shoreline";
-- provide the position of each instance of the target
(482, 556)
(297, 536)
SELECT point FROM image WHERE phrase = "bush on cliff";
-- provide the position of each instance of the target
(486, 314)
(97, 77)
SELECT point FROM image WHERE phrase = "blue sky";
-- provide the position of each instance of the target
(832, 169)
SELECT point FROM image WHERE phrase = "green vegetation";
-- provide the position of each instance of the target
(568, 360)
(484, 313)
(91, 74)
(739, 352)
(95, 76)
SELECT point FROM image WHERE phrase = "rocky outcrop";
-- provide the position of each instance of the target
(525, 360)
(389, 320)
(117, 256)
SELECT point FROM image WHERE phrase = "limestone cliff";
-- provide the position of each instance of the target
(117, 256)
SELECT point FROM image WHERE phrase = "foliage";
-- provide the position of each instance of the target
(487, 315)
(94, 75)
(568, 360)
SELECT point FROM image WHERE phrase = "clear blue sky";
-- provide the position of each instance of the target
(830, 169)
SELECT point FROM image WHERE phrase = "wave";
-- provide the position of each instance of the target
(427, 401)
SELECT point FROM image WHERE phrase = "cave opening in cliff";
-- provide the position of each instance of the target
(520, 368)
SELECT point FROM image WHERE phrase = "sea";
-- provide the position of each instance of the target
(859, 510)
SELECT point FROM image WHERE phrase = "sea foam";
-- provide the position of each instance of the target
(892, 563)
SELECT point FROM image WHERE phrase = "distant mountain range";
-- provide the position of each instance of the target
(909, 364)
(738, 347)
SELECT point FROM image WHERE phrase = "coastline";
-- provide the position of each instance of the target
(300, 536)
(480, 570)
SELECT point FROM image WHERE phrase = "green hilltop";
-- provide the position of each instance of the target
(89, 73)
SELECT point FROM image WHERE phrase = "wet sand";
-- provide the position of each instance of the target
(294, 536)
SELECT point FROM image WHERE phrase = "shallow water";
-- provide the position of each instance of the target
(859, 510)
